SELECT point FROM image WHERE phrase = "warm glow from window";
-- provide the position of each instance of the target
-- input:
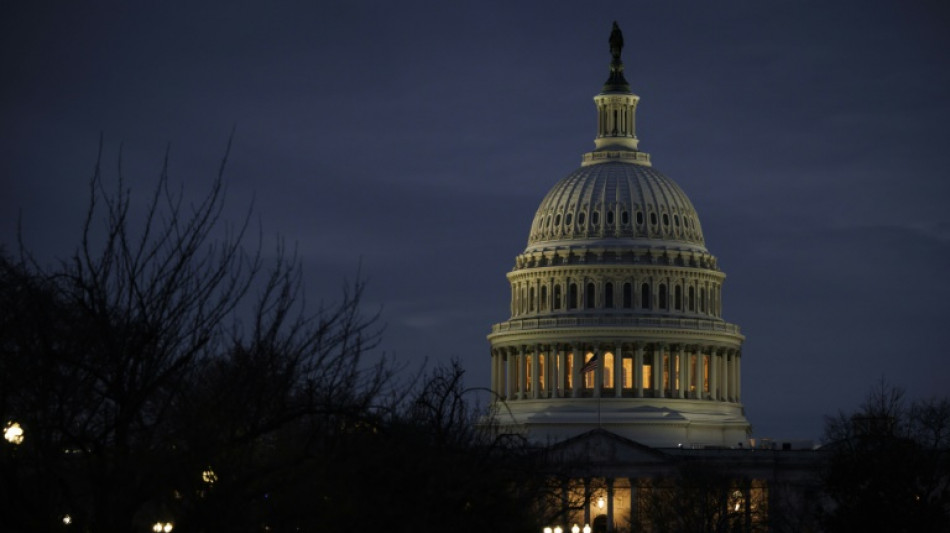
(608, 366)
(542, 360)
(570, 370)
(627, 373)
(527, 373)
(647, 376)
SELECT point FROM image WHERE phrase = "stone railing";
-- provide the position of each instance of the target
(523, 324)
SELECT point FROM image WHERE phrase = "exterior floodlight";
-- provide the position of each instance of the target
(576, 529)
(13, 433)
(548, 530)
(162, 527)
(209, 477)
(557, 529)
(586, 528)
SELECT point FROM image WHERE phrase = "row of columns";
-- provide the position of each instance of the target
(700, 372)
(632, 493)
(524, 302)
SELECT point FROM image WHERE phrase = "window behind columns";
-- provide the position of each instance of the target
(544, 298)
(572, 296)
(645, 296)
(589, 296)
(608, 295)
(663, 303)
(557, 296)
(627, 296)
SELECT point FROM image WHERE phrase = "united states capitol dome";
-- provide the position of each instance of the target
(616, 304)
(616, 203)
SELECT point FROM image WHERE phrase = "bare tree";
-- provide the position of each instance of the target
(890, 465)
(142, 361)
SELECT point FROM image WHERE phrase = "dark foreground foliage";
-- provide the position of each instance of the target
(163, 374)
(890, 467)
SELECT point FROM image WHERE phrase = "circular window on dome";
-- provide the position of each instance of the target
(557, 220)
(610, 218)
(567, 219)
(580, 219)
(639, 218)
(624, 218)
(653, 218)
(666, 219)
(595, 218)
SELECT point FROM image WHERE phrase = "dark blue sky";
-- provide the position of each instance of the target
(419, 138)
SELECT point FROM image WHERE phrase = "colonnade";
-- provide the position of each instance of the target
(623, 369)
(618, 500)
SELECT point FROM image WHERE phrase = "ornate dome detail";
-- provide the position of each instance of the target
(614, 201)
(616, 305)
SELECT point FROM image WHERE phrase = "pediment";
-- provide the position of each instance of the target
(600, 447)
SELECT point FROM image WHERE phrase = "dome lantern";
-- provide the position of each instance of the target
(616, 114)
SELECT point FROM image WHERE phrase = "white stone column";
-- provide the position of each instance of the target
(509, 375)
(535, 378)
(725, 375)
(683, 371)
(598, 373)
(519, 373)
(610, 505)
(714, 373)
(562, 372)
(638, 370)
(578, 383)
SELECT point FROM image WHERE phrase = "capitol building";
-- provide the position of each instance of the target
(616, 305)
(616, 359)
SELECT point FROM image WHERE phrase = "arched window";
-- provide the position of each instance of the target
(639, 218)
(627, 296)
(653, 218)
(544, 298)
(589, 296)
(662, 295)
(610, 218)
(572, 296)
(531, 299)
(557, 297)
(608, 295)
(580, 218)
(702, 299)
(678, 298)
(645, 296)
(692, 298)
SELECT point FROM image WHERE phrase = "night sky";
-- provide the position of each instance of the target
(417, 140)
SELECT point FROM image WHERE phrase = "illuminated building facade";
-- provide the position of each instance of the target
(616, 271)
(617, 360)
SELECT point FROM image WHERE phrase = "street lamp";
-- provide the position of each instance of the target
(576, 529)
(586, 528)
(13, 433)
(162, 527)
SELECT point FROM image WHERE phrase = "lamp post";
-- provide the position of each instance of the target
(13, 433)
